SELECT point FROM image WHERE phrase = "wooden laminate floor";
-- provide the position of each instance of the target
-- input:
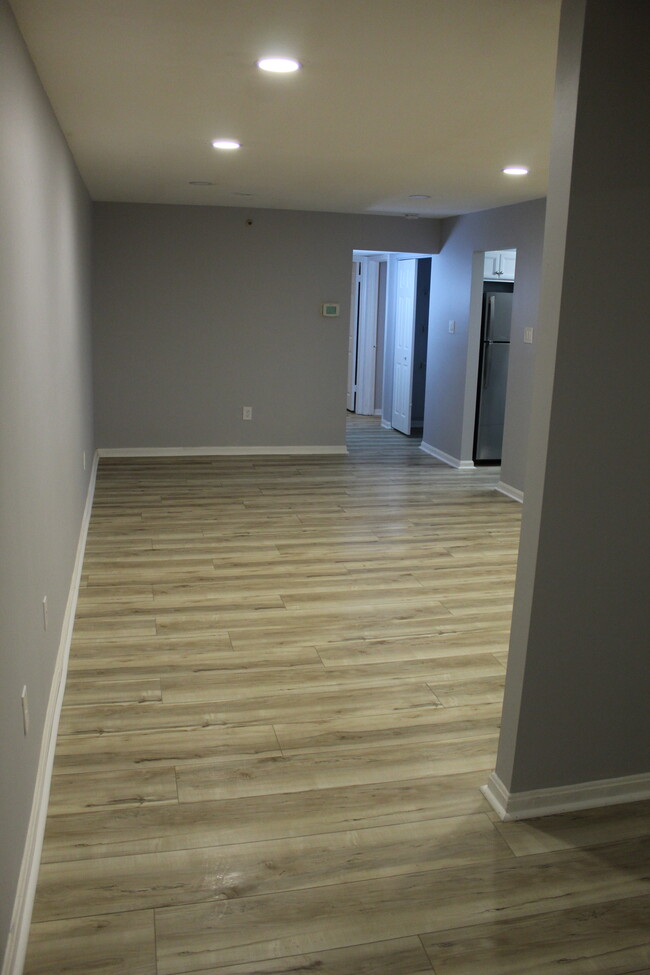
(283, 695)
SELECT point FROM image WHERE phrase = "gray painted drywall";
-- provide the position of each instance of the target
(452, 358)
(45, 420)
(198, 311)
(576, 703)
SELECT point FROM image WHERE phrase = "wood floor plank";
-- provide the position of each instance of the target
(117, 944)
(351, 652)
(147, 748)
(462, 693)
(122, 626)
(331, 768)
(78, 792)
(129, 883)
(586, 827)
(401, 956)
(136, 691)
(92, 644)
(237, 683)
(377, 731)
(298, 705)
(143, 829)
(603, 939)
(250, 928)
(188, 662)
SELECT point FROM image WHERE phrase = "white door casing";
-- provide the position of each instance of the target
(404, 336)
(352, 340)
(367, 340)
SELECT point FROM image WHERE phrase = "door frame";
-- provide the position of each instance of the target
(353, 337)
(367, 341)
(409, 337)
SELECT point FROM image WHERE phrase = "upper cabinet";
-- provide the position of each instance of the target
(500, 265)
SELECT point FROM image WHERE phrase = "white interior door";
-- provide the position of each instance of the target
(367, 340)
(404, 335)
(352, 341)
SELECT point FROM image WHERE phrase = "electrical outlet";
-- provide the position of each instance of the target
(247, 413)
(45, 612)
(25, 704)
(452, 325)
(528, 335)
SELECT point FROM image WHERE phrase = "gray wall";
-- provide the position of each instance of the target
(45, 420)
(452, 360)
(197, 312)
(576, 703)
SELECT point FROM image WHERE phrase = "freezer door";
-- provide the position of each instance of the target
(492, 401)
(498, 312)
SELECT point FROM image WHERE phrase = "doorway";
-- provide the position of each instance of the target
(389, 315)
(494, 354)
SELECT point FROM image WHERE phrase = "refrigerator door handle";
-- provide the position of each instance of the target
(489, 316)
(486, 364)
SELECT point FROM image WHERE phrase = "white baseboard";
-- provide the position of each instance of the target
(566, 798)
(217, 451)
(511, 492)
(14, 958)
(461, 465)
(385, 425)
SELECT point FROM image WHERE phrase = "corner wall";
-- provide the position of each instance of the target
(198, 311)
(452, 359)
(45, 422)
(576, 722)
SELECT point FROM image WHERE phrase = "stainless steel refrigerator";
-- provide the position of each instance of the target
(493, 376)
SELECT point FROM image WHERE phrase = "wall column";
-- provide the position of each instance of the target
(576, 722)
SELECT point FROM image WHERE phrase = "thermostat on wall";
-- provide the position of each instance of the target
(330, 310)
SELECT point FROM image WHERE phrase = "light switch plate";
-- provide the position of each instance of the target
(528, 335)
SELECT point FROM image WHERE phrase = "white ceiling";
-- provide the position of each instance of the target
(396, 97)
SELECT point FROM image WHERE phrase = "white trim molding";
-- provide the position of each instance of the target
(511, 492)
(386, 425)
(217, 451)
(564, 798)
(461, 465)
(16, 950)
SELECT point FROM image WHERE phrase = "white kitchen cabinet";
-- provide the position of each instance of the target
(500, 265)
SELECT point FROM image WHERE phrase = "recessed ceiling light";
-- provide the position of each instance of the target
(279, 65)
(226, 144)
(419, 196)
(515, 171)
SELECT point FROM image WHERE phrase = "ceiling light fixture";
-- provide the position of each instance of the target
(201, 182)
(515, 171)
(419, 196)
(226, 144)
(279, 65)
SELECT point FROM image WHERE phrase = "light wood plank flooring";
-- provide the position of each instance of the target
(284, 693)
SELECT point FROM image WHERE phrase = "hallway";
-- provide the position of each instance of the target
(283, 695)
